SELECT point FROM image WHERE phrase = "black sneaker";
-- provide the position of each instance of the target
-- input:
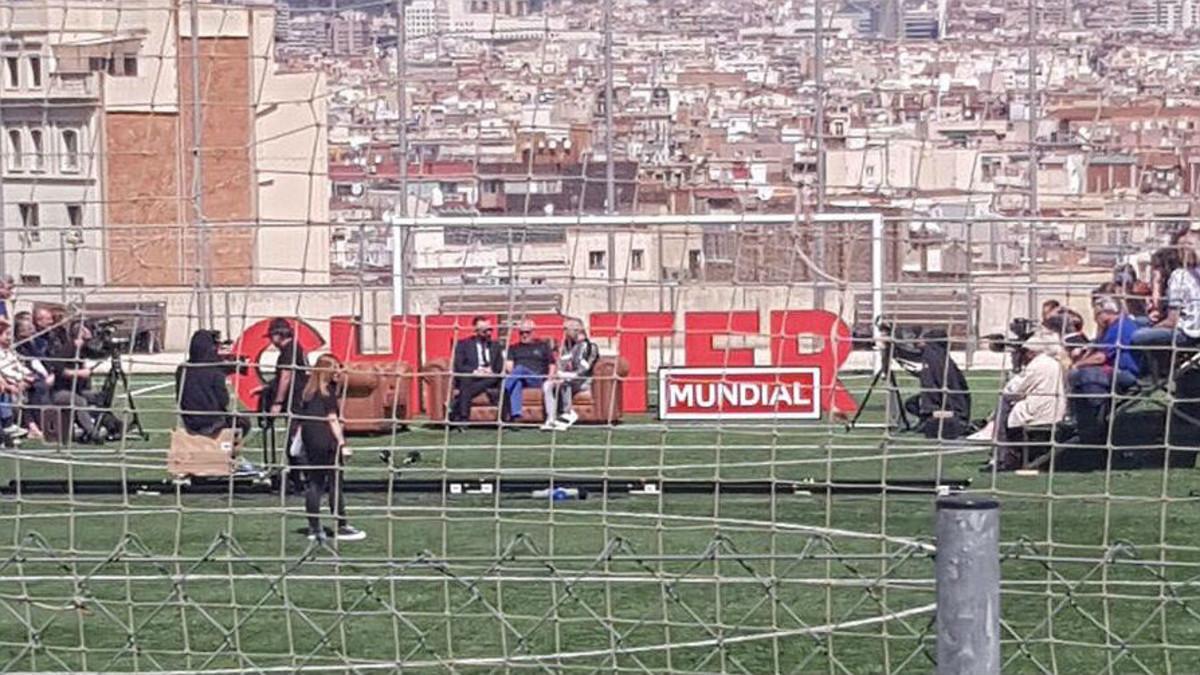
(350, 533)
(316, 535)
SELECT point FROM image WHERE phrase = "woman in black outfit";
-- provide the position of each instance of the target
(325, 449)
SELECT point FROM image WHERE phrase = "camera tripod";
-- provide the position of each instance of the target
(115, 377)
(894, 401)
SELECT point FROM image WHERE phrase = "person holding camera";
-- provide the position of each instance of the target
(72, 381)
(201, 390)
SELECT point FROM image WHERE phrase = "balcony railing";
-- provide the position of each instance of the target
(57, 87)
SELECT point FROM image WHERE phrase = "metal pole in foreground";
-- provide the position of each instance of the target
(199, 228)
(400, 239)
(967, 571)
(610, 190)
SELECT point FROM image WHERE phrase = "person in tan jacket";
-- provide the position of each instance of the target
(1034, 397)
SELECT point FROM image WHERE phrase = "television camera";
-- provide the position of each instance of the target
(1019, 331)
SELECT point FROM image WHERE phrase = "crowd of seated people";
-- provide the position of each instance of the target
(1145, 332)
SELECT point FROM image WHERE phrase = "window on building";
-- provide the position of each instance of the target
(37, 147)
(31, 280)
(596, 260)
(637, 260)
(77, 282)
(70, 150)
(130, 66)
(35, 72)
(30, 221)
(12, 72)
(75, 215)
(102, 64)
(16, 151)
(694, 264)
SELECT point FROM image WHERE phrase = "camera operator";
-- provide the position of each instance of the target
(943, 407)
(72, 381)
(200, 387)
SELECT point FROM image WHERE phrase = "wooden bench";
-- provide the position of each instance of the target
(952, 311)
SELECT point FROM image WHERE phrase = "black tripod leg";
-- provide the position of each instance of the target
(862, 407)
(898, 401)
(135, 420)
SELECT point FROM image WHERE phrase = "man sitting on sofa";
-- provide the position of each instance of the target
(530, 363)
(477, 363)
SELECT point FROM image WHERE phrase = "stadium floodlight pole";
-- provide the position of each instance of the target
(400, 237)
(199, 227)
(967, 577)
(610, 190)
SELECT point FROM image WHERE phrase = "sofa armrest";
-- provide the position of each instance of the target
(607, 386)
(436, 384)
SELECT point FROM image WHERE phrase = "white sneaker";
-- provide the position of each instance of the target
(549, 425)
(570, 418)
(350, 533)
(15, 431)
(985, 435)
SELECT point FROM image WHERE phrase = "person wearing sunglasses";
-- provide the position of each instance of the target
(478, 363)
(530, 363)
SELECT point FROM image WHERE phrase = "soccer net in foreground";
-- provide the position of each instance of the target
(703, 534)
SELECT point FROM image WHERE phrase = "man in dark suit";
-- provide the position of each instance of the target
(478, 362)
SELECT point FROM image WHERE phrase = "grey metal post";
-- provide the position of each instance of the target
(3, 207)
(402, 110)
(199, 226)
(1035, 209)
(610, 189)
(967, 572)
(819, 242)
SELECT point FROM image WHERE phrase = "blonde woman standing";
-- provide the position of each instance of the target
(325, 449)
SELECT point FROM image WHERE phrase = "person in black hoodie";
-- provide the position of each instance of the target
(200, 386)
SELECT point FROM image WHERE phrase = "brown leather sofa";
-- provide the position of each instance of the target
(376, 396)
(600, 404)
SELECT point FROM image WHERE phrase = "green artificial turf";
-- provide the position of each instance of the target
(731, 583)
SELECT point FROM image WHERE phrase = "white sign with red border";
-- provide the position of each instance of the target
(739, 393)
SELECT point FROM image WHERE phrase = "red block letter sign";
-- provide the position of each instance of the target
(251, 345)
(346, 346)
(701, 327)
(633, 331)
(787, 326)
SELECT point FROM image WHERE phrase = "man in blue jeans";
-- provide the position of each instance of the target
(530, 362)
(1109, 366)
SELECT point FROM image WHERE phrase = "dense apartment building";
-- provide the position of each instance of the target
(97, 112)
